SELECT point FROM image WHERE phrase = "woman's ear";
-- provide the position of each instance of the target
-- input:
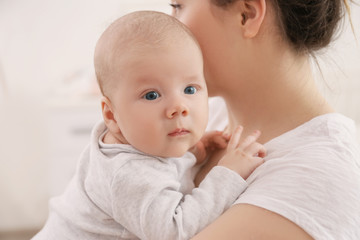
(252, 13)
(109, 116)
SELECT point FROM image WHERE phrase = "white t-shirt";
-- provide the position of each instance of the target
(311, 176)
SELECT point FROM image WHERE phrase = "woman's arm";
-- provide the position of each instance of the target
(244, 221)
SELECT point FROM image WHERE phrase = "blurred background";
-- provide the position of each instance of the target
(49, 99)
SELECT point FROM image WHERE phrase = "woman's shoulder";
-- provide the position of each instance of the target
(311, 176)
(322, 151)
(330, 133)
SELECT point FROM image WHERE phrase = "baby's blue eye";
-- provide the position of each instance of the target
(190, 90)
(151, 95)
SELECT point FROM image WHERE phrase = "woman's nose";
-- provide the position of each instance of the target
(178, 109)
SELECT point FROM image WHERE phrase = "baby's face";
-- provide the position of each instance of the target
(161, 101)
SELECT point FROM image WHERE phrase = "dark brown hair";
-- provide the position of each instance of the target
(308, 25)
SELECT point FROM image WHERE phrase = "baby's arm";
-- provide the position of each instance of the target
(148, 202)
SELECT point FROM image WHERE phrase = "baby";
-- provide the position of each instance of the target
(135, 179)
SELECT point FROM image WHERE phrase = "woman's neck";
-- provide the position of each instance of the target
(275, 101)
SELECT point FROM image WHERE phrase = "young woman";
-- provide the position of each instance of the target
(257, 57)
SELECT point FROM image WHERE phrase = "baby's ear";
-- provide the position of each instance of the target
(109, 116)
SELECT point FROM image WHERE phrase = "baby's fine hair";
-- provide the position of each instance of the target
(134, 32)
(308, 25)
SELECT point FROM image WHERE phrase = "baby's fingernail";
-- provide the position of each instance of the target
(238, 129)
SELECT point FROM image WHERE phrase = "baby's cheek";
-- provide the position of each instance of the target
(142, 137)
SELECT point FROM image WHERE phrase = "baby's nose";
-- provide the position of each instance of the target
(177, 109)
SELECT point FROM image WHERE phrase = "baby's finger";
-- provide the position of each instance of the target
(217, 133)
(226, 136)
(262, 152)
(256, 149)
(208, 137)
(249, 140)
(217, 142)
(220, 142)
(234, 140)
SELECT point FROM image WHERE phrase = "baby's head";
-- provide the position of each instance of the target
(150, 71)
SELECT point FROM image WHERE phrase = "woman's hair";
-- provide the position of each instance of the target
(308, 25)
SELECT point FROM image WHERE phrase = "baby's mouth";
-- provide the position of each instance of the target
(179, 132)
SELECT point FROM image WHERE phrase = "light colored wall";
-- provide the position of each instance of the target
(46, 50)
(44, 41)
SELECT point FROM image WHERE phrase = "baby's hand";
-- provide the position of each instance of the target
(243, 156)
(209, 142)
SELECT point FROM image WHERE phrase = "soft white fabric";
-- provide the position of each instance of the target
(218, 115)
(119, 192)
(311, 176)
